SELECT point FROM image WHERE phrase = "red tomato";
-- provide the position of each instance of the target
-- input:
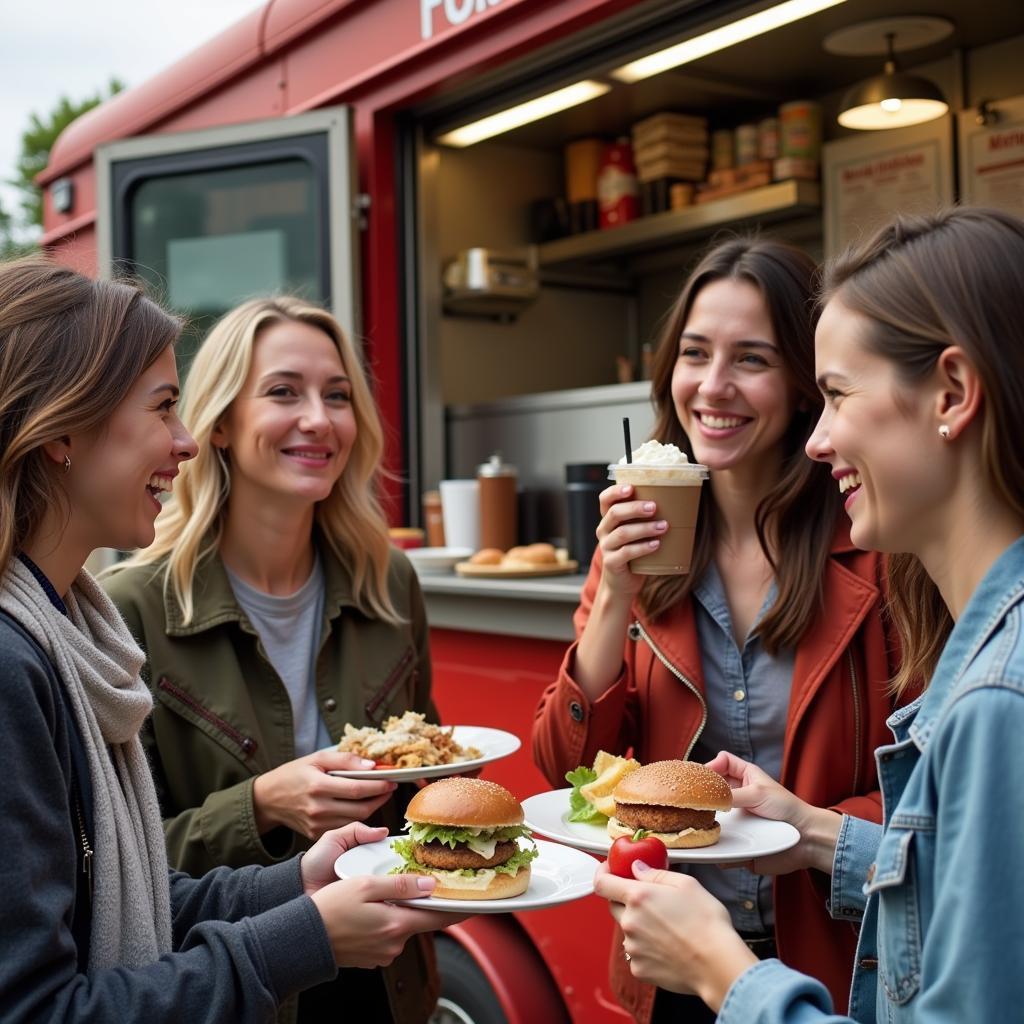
(626, 849)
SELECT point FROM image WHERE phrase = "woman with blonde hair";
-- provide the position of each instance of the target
(92, 925)
(273, 612)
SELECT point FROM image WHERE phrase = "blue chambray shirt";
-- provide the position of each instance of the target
(939, 883)
(747, 696)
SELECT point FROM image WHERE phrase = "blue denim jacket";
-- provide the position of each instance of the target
(939, 884)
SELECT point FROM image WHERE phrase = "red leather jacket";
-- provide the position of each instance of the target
(837, 710)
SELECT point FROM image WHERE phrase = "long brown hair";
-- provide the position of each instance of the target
(925, 283)
(796, 520)
(70, 350)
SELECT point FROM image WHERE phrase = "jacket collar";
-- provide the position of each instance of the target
(1000, 589)
(848, 600)
(215, 602)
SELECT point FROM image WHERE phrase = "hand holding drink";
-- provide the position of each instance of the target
(660, 476)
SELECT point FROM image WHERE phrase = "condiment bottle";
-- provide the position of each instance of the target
(618, 191)
(498, 505)
(432, 519)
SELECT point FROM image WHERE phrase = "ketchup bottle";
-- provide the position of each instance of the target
(617, 187)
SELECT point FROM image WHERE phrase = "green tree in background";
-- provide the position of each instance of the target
(36, 143)
(10, 247)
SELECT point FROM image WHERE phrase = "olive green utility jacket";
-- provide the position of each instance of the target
(222, 716)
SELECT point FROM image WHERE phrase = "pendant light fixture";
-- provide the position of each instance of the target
(892, 99)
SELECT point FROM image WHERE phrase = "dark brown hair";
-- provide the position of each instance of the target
(926, 283)
(797, 519)
(70, 350)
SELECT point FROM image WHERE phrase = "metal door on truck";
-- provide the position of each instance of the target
(210, 218)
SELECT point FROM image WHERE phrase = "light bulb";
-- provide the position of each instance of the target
(891, 105)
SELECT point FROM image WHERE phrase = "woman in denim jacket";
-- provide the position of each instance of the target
(920, 356)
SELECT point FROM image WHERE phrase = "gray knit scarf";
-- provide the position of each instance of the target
(98, 662)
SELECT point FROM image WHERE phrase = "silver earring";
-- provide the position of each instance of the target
(67, 463)
(944, 432)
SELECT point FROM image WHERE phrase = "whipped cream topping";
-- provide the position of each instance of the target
(654, 453)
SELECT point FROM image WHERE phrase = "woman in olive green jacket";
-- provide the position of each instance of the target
(273, 611)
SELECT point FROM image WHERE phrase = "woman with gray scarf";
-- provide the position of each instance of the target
(92, 924)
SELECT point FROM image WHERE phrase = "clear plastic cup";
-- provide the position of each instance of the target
(675, 490)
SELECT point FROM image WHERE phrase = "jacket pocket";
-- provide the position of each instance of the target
(209, 722)
(379, 701)
(893, 882)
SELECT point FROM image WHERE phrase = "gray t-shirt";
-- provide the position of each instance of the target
(290, 630)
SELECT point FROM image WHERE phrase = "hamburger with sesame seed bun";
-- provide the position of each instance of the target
(466, 832)
(673, 800)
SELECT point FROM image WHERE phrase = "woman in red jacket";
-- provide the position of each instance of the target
(774, 646)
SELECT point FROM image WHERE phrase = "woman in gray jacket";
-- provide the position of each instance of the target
(92, 924)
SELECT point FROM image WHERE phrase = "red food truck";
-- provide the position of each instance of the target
(341, 149)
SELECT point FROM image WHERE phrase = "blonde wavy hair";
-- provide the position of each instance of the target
(350, 519)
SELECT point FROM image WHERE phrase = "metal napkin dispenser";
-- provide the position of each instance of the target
(486, 282)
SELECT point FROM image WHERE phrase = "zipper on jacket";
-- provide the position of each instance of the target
(856, 722)
(247, 743)
(87, 850)
(636, 631)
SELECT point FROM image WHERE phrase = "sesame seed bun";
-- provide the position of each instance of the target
(475, 803)
(686, 784)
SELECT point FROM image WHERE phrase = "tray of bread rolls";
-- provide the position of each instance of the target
(517, 563)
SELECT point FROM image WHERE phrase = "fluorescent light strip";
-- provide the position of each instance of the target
(524, 113)
(720, 38)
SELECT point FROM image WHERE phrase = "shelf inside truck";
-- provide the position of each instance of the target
(782, 200)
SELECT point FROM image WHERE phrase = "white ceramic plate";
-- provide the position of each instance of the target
(558, 875)
(436, 560)
(493, 744)
(744, 836)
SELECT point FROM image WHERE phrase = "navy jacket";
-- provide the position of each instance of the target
(243, 940)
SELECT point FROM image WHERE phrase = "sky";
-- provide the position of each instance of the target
(50, 48)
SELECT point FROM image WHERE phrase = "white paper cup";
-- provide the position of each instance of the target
(460, 510)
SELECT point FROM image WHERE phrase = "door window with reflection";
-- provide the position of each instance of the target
(205, 240)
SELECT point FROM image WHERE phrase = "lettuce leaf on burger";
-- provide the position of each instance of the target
(465, 833)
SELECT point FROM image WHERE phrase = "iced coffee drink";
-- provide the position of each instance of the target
(662, 473)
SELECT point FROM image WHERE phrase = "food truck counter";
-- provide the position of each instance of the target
(537, 608)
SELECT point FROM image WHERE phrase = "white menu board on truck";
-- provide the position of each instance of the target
(870, 176)
(992, 157)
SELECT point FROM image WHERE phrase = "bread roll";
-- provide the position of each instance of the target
(532, 556)
(542, 554)
(487, 556)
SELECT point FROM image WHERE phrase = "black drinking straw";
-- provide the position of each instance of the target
(625, 436)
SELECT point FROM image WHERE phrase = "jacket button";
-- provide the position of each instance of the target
(248, 745)
(400, 985)
(330, 704)
(576, 711)
(871, 873)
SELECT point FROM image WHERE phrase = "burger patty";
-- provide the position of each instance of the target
(662, 819)
(441, 856)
